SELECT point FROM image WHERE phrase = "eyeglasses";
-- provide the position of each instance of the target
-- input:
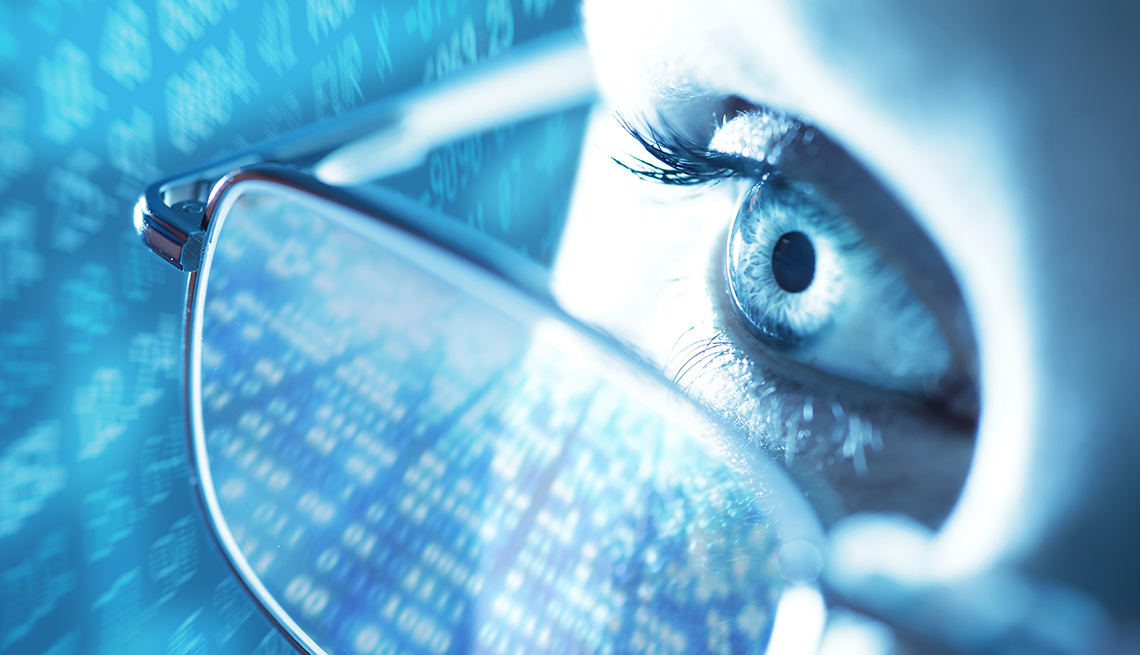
(401, 444)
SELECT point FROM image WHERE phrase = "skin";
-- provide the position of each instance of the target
(1009, 131)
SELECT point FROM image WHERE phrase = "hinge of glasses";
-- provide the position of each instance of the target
(174, 232)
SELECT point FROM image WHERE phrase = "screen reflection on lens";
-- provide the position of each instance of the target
(398, 456)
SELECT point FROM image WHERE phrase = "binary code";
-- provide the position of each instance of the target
(102, 549)
(409, 470)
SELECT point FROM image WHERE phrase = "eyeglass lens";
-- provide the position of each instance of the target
(408, 466)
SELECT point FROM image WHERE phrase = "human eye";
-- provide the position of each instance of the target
(834, 334)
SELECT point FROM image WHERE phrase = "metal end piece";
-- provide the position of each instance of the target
(174, 233)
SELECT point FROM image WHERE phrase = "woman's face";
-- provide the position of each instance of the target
(1008, 132)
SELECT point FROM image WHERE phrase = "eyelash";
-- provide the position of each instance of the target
(796, 421)
(682, 162)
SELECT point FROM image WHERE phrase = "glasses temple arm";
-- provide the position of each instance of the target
(539, 77)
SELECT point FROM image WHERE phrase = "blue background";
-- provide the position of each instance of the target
(102, 548)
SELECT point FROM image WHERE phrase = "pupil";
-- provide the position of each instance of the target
(793, 262)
